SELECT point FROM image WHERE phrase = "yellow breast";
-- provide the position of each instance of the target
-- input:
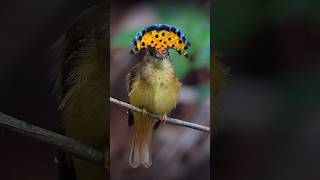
(157, 93)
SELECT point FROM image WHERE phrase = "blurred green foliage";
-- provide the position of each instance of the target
(235, 21)
(194, 23)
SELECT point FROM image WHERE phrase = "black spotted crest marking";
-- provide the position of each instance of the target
(161, 37)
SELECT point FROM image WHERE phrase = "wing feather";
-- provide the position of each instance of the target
(131, 77)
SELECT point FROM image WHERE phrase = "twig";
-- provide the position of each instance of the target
(59, 141)
(70, 145)
(157, 116)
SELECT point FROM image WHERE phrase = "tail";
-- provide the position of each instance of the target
(141, 148)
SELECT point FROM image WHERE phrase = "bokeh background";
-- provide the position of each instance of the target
(269, 108)
(28, 30)
(178, 152)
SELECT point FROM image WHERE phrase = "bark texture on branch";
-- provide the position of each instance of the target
(157, 116)
(59, 141)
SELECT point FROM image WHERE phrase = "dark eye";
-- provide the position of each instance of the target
(152, 53)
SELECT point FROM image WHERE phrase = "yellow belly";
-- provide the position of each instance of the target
(159, 97)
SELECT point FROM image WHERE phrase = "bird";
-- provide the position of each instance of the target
(81, 87)
(152, 85)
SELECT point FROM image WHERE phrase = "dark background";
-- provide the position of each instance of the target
(28, 30)
(269, 108)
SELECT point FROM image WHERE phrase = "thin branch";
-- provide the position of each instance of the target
(157, 116)
(70, 145)
(59, 141)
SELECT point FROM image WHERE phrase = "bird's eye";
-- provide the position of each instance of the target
(152, 53)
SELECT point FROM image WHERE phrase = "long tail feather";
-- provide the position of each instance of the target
(141, 148)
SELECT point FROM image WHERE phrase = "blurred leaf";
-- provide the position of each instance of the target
(202, 58)
(124, 38)
(180, 64)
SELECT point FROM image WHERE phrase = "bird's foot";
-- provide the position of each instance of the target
(144, 112)
(164, 118)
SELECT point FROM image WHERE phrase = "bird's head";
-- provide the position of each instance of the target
(155, 54)
(156, 39)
